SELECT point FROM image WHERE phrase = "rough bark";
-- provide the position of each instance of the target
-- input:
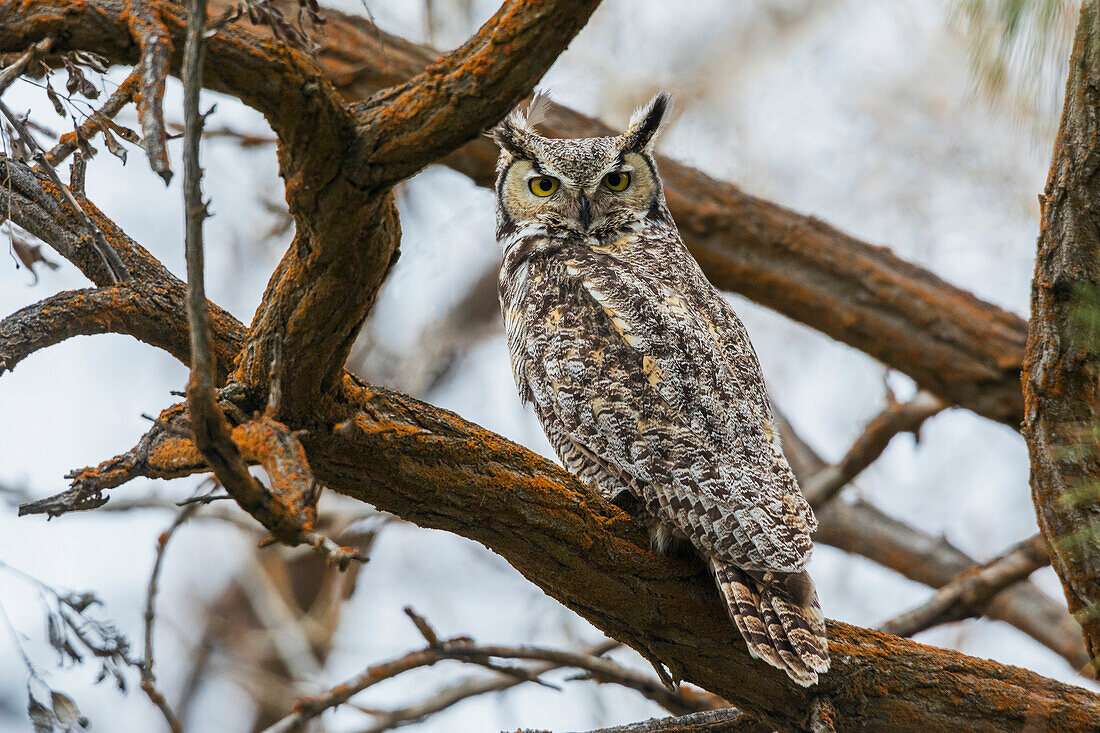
(149, 313)
(435, 469)
(1062, 371)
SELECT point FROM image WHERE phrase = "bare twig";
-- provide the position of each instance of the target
(244, 139)
(148, 677)
(12, 72)
(464, 649)
(110, 258)
(729, 720)
(122, 96)
(970, 592)
(148, 29)
(896, 417)
(861, 528)
(422, 626)
(449, 696)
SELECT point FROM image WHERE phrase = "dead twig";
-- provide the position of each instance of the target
(12, 72)
(970, 592)
(115, 268)
(148, 677)
(464, 649)
(895, 418)
(96, 121)
(449, 696)
(148, 29)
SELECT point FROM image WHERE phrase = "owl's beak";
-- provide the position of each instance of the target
(586, 212)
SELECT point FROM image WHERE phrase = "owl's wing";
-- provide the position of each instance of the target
(651, 382)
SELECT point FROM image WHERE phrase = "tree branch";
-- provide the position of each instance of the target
(1062, 371)
(99, 244)
(860, 528)
(970, 592)
(895, 418)
(464, 649)
(150, 313)
(151, 35)
(148, 677)
(433, 468)
(346, 225)
(711, 721)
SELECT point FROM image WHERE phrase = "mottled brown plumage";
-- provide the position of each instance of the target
(644, 378)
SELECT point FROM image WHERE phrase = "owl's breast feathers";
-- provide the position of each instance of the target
(635, 363)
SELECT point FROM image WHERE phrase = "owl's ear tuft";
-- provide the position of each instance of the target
(509, 138)
(646, 122)
(512, 133)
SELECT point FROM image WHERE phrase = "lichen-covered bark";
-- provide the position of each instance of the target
(963, 349)
(1062, 371)
(433, 468)
(150, 313)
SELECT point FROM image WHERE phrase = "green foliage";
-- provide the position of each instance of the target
(1019, 50)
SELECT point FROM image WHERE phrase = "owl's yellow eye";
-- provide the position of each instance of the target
(617, 181)
(544, 186)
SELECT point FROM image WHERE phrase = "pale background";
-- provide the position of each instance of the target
(866, 114)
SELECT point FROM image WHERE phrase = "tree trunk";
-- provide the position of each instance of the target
(1062, 366)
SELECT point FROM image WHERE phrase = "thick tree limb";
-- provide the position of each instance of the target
(149, 313)
(970, 592)
(437, 470)
(966, 351)
(1062, 371)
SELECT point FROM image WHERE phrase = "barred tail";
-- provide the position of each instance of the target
(786, 635)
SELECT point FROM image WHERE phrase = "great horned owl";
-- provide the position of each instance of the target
(644, 378)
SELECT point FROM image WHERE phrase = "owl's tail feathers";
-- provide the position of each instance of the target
(783, 633)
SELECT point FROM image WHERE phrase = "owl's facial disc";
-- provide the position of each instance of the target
(601, 199)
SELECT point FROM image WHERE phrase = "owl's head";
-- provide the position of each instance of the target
(595, 186)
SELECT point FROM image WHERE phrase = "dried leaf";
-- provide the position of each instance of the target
(77, 82)
(55, 99)
(30, 255)
(66, 710)
(113, 145)
(93, 61)
(123, 132)
(40, 715)
(15, 142)
(80, 602)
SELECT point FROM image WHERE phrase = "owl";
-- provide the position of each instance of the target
(643, 377)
